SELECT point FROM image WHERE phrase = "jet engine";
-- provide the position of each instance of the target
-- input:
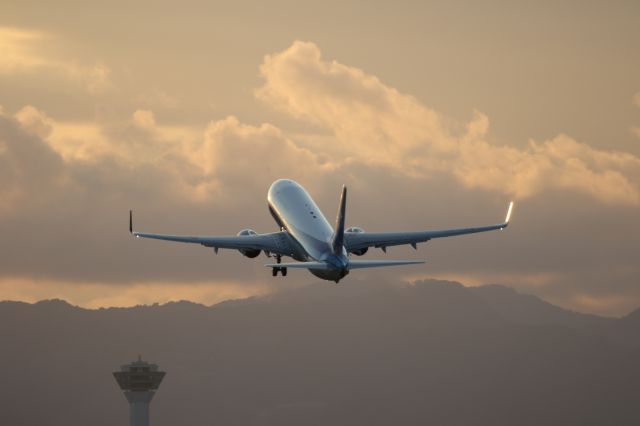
(356, 230)
(248, 253)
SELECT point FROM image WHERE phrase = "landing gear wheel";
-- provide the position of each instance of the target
(275, 270)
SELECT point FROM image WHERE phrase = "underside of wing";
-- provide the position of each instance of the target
(361, 240)
(277, 242)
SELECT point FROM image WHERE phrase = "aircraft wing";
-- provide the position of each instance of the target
(275, 242)
(361, 240)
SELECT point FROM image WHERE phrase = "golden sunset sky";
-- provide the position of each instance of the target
(435, 114)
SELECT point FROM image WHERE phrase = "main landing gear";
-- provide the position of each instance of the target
(276, 269)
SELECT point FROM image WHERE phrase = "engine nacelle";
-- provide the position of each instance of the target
(248, 253)
(356, 230)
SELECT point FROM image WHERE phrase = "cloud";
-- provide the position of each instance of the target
(375, 123)
(18, 49)
(66, 187)
(95, 78)
(603, 304)
(34, 121)
(156, 97)
(192, 164)
(69, 185)
(144, 119)
(29, 51)
(27, 164)
(233, 153)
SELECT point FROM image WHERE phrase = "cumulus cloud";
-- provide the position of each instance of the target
(25, 51)
(27, 164)
(375, 123)
(34, 121)
(65, 189)
(232, 153)
(144, 119)
(191, 164)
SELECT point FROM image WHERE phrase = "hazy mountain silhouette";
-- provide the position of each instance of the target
(529, 309)
(349, 354)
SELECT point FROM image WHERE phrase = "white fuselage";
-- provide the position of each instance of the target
(295, 211)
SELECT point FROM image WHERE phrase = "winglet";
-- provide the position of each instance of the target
(131, 221)
(509, 213)
(338, 237)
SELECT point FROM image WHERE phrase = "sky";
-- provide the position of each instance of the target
(435, 114)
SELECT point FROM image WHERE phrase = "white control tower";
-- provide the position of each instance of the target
(139, 382)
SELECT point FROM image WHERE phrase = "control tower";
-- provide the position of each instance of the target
(139, 382)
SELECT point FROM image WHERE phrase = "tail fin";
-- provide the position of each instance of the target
(338, 236)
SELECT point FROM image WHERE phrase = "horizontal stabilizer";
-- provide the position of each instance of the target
(360, 264)
(300, 265)
(353, 264)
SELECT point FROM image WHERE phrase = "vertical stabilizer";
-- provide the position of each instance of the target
(338, 236)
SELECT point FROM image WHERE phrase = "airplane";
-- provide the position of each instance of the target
(307, 237)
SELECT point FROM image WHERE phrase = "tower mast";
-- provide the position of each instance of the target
(139, 381)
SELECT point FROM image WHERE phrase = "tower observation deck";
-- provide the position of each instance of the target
(139, 381)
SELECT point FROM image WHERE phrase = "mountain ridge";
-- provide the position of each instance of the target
(491, 293)
(370, 353)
